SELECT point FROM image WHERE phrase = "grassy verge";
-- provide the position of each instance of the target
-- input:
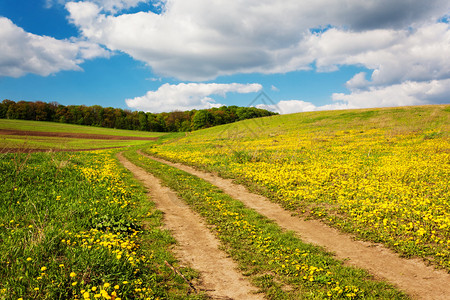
(279, 263)
(76, 225)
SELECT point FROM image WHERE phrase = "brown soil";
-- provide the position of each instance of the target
(197, 246)
(33, 150)
(410, 275)
(74, 135)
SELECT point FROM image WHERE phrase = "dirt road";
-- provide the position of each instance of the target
(197, 246)
(409, 275)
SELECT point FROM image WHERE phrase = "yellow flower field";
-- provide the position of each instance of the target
(380, 174)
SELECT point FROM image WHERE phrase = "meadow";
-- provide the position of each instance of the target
(278, 262)
(67, 143)
(380, 174)
(62, 127)
(77, 226)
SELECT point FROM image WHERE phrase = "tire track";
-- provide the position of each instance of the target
(409, 275)
(197, 246)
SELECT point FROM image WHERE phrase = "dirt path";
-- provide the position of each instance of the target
(409, 275)
(197, 246)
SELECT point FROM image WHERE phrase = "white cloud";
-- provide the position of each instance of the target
(395, 55)
(202, 39)
(289, 106)
(187, 96)
(112, 6)
(358, 81)
(403, 94)
(22, 52)
(274, 88)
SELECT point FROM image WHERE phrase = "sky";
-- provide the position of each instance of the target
(286, 56)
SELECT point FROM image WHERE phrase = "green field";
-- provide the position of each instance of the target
(61, 127)
(381, 174)
(66, 143)
(76, 225)
(72, 227)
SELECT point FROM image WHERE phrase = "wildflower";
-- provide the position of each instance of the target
(29, 259)
(73, 274)
(43, 269)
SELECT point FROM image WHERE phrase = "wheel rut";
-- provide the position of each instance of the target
(196, 245)
(412, 276)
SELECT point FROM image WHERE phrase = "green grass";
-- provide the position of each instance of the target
(40, 142)
(34, 142)
(77, 223)
(279, 263)
(380, 174)
(61, 127)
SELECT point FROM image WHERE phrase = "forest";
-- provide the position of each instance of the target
(110, 117)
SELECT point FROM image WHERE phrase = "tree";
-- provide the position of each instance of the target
(202, 119)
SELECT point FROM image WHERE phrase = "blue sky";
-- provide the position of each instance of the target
(179, 54)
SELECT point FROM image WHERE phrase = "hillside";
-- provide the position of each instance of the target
(21, 135)
(381, 174)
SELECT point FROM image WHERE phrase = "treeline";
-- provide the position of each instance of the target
(124, 119)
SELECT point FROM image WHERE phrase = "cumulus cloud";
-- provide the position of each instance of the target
(22, 52)
(289, 106)
(187, 96)
(394, 55)
(112, 6)
(403, 94)
(202, 39)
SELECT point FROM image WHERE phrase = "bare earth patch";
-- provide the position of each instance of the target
(34, 150)
(197, 246)
(74, 135)
(410, 275)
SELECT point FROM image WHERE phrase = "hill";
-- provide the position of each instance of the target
(381, 174)
(21, 135)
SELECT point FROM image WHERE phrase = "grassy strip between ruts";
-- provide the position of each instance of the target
(77, 226)
(279, 263)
